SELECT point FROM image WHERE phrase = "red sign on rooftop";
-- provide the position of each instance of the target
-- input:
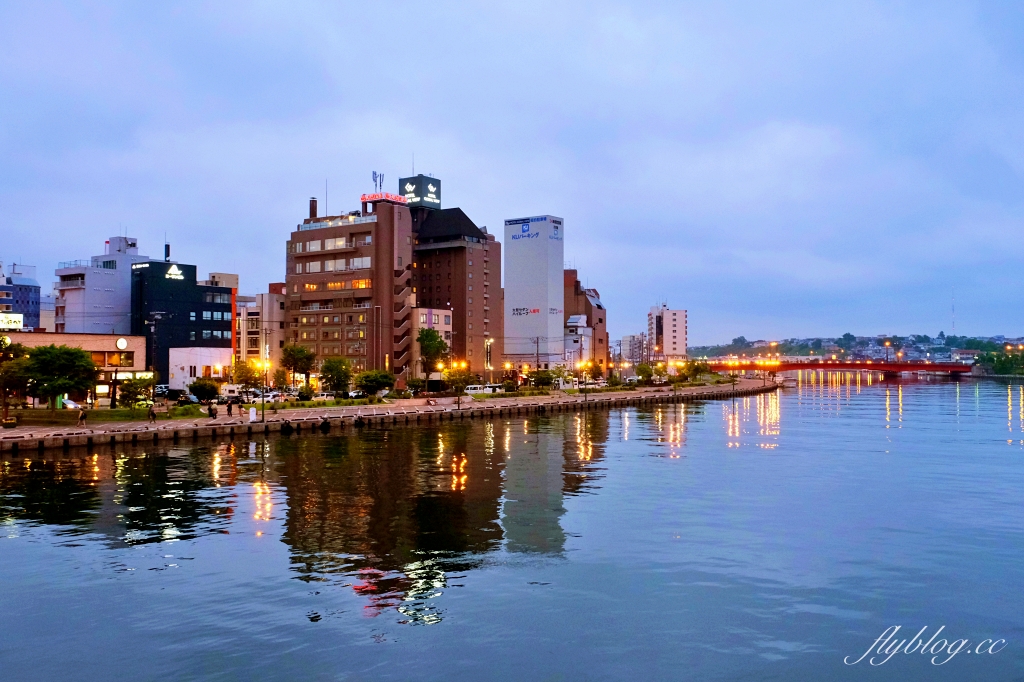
(382, 196)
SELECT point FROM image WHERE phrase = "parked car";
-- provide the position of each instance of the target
(72, 405)
(160, 390)
(323, 396)
(485, 388)
(187, 399)
(356, 394)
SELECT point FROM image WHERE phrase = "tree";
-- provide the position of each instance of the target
(204, 389)
(541, 378)
(247, 376)
(458, 379)
(336, 373)
(847, 341)
(373, 381)
(13, 373)
(298, 359)
(645, 371)
(280, 377)
(741, 342)
(132, 390)
(416, 384)
(432, 348)
(56, 370)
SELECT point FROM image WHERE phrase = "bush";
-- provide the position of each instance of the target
(204, 389)
(186, 412)
(305, 393)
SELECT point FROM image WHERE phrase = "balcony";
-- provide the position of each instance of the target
(317, 306)
(74, 283)
(362, 306)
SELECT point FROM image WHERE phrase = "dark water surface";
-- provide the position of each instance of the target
(762, 539)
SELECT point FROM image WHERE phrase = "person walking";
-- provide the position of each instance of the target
(229, 408)
(212, 410)
(152, 415)
(81, 416)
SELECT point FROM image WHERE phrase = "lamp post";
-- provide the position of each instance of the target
(263, 392)
(887, 344)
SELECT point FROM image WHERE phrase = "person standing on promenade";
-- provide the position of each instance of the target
(152, 414)
(229, 408)
(81, 416)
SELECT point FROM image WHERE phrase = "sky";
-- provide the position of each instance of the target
(784, 169)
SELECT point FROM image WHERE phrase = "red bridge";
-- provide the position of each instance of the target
(888, 367)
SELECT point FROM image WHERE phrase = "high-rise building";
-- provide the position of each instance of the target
(19, 294)
(438, 319)
(666, 333)
(174, 311)
(95, 295)
(349, 284)
(260, 326)
(633, 348)
(457, 266)
(587, 302)
(534, 292)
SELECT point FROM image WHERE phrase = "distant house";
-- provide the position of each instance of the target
(964, 355)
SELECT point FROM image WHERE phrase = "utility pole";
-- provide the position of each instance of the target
(536, 340)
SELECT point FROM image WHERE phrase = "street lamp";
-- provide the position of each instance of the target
(263, 393)
(887, 344)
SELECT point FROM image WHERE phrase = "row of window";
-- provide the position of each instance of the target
(119, 359)
(336, 285)
(215, 315)
(210, 334)
(436, 318)
(355, 318)
(336, 265)
(349, 242)
(347, 349)
(350, 334)
(217, 298)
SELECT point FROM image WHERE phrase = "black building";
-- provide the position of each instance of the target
(172, 310)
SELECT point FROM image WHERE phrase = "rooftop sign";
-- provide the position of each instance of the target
(382, 196)
(421, 190)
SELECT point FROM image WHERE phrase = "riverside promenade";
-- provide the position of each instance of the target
(323, 419)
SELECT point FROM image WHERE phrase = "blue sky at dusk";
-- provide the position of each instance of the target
(779, 169)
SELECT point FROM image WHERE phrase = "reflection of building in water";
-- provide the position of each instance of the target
(546, 460)
(533, 507)
(400, 508)
(128, 498)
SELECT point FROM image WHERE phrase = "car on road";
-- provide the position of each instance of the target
(356, 394)
(323, 396)
(71, 405)
(187, 399)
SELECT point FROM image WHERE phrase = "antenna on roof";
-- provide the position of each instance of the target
(374, 176)
(414, 163)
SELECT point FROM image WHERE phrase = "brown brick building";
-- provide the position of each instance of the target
(349, 287)
(581, 301)
(457, 265)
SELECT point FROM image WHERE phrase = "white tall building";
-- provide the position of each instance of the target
(95, 295)
(534, 292)
(666, 333)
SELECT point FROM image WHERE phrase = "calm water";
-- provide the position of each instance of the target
(762, 539)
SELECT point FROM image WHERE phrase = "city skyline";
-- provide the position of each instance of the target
(788, 172)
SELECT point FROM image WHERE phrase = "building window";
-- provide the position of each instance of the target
(217, 315)
(436, 318)
(313, 266)
(423, 318)
(191, 336)
(359, 263)
(207, 315)
(335, 286)
(298, 268)
(218, 298)
(207, 334)
(253, 342)
(192, 317)
(447, 319)
(311, 286)
(360, 284)
(313, 246)
(470, 275)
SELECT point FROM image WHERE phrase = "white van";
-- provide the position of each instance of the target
(485, 388)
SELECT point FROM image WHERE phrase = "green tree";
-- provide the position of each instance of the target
(432, 348)
(645, 371)
(458, 379)
(133, 390)
(541, 378)
(298, 359)
(416, 384)
(373, 381)
(280, 377)
(846, 341)
(336, 374)
(247, 376)
(56, 370)
(205, 389)
(13, 371)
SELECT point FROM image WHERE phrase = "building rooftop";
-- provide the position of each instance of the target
(448, 223)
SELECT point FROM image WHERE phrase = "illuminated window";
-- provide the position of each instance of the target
(335, 286)
(436, 318)
(423, 318)
(311, 286)
(326, 319)
(360, 284)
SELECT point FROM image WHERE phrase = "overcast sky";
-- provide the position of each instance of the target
(779, 169)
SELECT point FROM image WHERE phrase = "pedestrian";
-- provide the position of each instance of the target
(229, 408)
(212, 410)
(81, 416)
(152, 415)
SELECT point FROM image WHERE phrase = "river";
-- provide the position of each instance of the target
(766, 538)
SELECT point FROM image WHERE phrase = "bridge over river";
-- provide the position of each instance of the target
(886, 367)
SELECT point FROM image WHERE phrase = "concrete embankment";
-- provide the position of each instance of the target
(25, 440)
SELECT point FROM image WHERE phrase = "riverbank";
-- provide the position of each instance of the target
(29, 438)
